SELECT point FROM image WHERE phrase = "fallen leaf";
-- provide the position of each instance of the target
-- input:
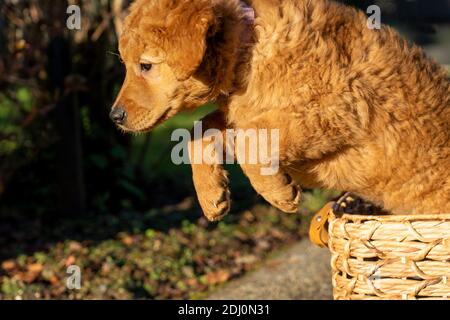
(70, 261)
(127, 240)
(27, 277)
(192, 282)
(53, 280)
(218, 277)
(8, 265)
(75, 246)
(249, 216)
(106, 268)
(32, 273)
(278, 234)
(263, 244)
(157, 245)
(35, 267)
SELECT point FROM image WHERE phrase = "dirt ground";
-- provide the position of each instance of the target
(300, 272)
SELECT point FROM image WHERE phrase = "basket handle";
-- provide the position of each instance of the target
(318, 230)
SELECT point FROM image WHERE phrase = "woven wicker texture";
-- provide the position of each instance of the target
(390, 257)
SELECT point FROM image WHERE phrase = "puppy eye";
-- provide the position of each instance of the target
(146, 67)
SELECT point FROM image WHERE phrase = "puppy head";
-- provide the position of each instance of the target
(162, 46)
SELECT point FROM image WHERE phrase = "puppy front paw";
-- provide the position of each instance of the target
(211, 184)
(215, 203)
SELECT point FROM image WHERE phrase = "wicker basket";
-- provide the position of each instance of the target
(389, 257)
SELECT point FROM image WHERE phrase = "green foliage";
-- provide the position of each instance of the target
(313, 201)
(185, 261)
(11, 133)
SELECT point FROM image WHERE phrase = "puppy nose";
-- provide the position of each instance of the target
(118, 115)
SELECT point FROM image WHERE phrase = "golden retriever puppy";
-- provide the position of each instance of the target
(357, 109)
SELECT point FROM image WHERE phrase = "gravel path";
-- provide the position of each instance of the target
(300, 272)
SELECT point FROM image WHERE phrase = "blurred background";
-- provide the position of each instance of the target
(74, 190)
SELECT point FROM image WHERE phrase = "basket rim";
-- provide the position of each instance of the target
(393, 218)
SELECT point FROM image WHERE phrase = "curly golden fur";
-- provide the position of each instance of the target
(358, 109)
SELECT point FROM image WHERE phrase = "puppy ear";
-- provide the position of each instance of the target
(187, 31)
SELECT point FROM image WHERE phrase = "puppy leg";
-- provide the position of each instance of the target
(210, 179)
(274, 185)
(278, 189)
(306, 134)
